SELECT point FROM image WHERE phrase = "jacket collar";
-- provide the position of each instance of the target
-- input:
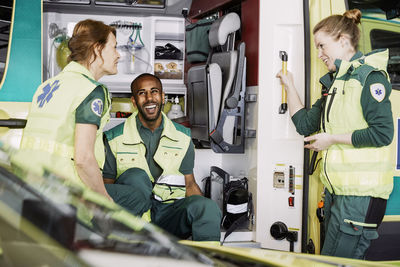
(343, 66)
(131, 135)
(74, 66)
(326, 80)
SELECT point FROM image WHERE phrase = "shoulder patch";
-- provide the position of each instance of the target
(377, 91)
(97, 106)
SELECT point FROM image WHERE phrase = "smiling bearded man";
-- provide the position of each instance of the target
(149, 168)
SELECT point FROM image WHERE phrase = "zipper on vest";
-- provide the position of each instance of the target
(330, 103)
(323, 112)
(326, 173)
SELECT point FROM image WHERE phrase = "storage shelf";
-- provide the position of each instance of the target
(169, 36)
(169, 59)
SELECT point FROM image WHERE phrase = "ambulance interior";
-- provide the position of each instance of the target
(236, 112)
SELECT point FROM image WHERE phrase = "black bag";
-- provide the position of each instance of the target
(169, 51)
(238, 206)
(236, 202)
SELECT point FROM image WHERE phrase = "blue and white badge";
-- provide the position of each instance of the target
(97, 106)
(377, 91)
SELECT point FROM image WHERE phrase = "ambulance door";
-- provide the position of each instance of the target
(280, 147)
(286, 219)
(21, 66)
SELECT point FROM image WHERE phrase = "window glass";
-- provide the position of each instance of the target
(69, 1)
(391, 40)
(137, 3)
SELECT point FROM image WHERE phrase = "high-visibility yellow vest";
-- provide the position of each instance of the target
(354, 171)
(50, 130)
(129, 151)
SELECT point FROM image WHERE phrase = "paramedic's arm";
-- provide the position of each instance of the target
(322, 141)
(191, 186)
(306, 120)
(84, 158)
(186, 169)
(377, 113)
(293, 98)
(319, 141)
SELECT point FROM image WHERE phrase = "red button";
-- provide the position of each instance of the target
(291, 201)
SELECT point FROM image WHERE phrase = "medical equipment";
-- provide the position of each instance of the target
(60, 43)
(176, 110)
(134, 53)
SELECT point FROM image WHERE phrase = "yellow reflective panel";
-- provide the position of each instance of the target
(281, 258)
(318, 11)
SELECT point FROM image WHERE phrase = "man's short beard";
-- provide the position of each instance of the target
(144, 116)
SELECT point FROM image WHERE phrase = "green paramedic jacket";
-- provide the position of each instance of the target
(129, 151)
(348, 170)
(50, 130)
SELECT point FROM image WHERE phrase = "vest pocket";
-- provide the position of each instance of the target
(127, 161)
(169, 158)
(126, 158)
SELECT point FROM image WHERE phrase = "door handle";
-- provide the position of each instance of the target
(13, 123)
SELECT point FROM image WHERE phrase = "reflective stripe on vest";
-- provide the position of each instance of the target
(350, 170)
(129, 151)
(50, 146)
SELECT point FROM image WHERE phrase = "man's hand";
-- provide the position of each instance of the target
(191, 186)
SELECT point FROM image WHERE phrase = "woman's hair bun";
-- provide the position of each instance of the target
(353, 14)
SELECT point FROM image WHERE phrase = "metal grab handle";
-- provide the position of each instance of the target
(284, 57)
(221, 173)
(13, 123)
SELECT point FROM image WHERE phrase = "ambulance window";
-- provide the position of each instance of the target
(5, 23)
(136, 3)
(391, 40)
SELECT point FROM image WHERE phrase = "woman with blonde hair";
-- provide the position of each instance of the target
(354, 122)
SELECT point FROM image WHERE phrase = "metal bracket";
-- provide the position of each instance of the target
(251, 98)
(250, 133)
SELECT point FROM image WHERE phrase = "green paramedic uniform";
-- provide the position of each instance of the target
(149, 168)
(358, 178)
(57, 106)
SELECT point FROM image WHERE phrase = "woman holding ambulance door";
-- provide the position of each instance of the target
(354, 122)
(68, 112)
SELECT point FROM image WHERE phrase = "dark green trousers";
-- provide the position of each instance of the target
(194, 216)
(351, 223)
